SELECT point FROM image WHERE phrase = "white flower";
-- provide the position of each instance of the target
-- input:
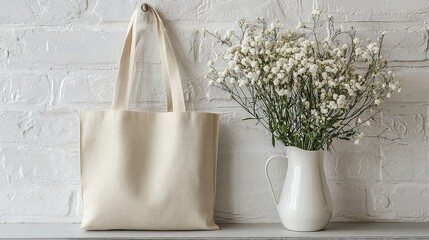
(366, 55)
(313, 68)
(341, 101)
(377, 101)
(291, 63)
(324, 110)
(241, 82)
(275, 70)
(358, 51)
(315, 12)
(307, 104)
(231, 64)
(276, 82)
(229, 33)
(301, 71)
(283, 92)
(266, 68)
(357, 141)
(332, 105)
(356, 41)
(324, 75)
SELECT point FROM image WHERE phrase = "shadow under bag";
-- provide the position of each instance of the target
(148, 170)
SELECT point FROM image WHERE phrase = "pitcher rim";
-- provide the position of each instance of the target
(309, 151)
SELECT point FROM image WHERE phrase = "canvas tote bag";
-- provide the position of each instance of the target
(148, 170)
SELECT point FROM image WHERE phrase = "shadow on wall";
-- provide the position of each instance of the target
(242, 192)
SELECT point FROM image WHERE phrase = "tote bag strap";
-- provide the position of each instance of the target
(170, 69)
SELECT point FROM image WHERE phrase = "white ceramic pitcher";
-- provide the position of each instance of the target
(305, 203)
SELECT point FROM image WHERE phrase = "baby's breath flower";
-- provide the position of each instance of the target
(315, 12)
(229, 34)
(288, 79)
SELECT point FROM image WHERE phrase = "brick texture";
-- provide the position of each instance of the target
(59, 57)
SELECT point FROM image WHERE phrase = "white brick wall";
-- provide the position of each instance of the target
(58, 57)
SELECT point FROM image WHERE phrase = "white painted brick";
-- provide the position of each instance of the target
(39, 164)
(21, 11)
(77, 209)
(203, 11)
(384, 10)
(403, 45)
(58, 47)
(37, 47)
(39, 126)
(405, 162)
(32, 201)
(86, 86)
(403, 123)
(241, 134)
(415, 84)
(83, 87)
(17, 11)
(349, 201)
(394, 202)
(25, 89)
(242, 187)
(349, 161)
(43, 12)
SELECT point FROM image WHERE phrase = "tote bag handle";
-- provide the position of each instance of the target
(171, 75)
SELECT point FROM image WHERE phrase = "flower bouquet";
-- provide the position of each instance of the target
(305, 88)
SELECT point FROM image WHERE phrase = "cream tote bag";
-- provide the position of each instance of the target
(148, 170)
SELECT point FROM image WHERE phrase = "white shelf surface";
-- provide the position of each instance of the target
(227, 231)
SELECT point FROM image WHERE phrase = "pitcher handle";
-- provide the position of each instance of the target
(268, 176)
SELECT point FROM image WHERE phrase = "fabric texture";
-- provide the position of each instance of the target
(148, 170)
